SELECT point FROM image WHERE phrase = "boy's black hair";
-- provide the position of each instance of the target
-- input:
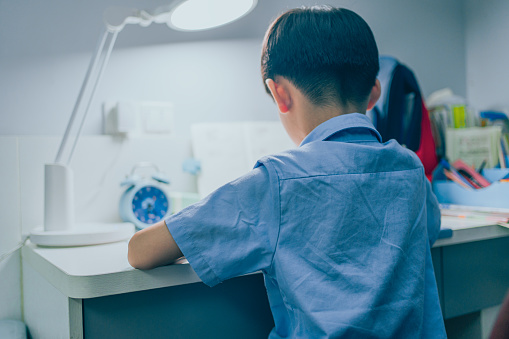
(328, 53)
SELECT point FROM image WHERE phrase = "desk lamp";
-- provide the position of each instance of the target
(186, 15)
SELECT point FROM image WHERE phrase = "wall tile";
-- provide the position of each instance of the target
(10, 230)
(10, 287)
(9, 194)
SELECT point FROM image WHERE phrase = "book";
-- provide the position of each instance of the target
(451, 173)
(470, 174)
(492, 214)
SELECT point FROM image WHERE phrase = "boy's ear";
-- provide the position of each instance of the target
(374, 95)
(280, 94)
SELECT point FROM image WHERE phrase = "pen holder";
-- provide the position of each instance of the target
(495, 195)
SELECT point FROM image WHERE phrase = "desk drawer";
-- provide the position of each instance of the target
(236, 308)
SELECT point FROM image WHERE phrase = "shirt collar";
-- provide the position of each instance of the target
(338, 124)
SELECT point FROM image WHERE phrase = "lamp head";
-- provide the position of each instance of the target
(183, 15)
(197, 15)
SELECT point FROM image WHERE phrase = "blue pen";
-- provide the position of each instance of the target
(481, 167)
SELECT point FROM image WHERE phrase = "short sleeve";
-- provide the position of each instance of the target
(231, 232)
(432, 214)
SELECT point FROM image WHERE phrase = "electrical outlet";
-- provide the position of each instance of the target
(120, 118)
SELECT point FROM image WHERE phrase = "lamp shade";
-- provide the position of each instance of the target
(195, 15)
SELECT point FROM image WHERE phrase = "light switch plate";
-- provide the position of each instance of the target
(158, 117)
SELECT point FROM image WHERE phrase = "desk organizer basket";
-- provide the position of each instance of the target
(495, 195)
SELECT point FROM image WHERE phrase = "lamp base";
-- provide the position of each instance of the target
(83, 234)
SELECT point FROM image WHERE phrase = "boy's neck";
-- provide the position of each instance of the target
(299, 115)
(310, 116)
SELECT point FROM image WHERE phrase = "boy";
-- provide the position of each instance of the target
(341, 227)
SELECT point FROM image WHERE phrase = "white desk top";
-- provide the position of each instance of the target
(100, 270)
(95, 271)
(468, 230)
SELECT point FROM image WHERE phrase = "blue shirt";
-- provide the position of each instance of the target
(341, 228)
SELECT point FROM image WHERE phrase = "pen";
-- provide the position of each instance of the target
(481, 167)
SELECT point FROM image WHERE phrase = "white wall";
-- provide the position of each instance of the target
(10, 229)
(207, 81)
(214, 80)
(45, 48)
(487, 50)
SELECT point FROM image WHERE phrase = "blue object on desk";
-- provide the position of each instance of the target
(495, 195)
(445, 233)
(496, 118)
(191, 166)
(493, 115)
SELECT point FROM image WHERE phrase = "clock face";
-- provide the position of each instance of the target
(150, 205)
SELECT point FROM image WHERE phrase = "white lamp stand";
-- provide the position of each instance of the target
(59, 227)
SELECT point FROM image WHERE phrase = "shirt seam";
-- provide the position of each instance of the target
(278, 206)
(357, 141)
(338, 174)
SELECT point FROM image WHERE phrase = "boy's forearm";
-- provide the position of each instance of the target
(152, 247)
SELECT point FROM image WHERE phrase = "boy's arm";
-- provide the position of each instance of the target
(152, 247)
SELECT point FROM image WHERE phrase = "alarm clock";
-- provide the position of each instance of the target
(145, 200)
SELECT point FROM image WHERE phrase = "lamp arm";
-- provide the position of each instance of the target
(98, 62)
(115, 18)
(102, 66)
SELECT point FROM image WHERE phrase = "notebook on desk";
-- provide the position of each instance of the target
(459, 223)
(451, 223)
(457, 217)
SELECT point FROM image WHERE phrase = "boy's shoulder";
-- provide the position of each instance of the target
(323, 158)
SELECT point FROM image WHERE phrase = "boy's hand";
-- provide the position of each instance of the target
(152, 247)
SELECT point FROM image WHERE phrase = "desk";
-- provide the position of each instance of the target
(472, 272)
(92, 292)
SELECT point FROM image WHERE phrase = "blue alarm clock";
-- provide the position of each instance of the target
(145, 200)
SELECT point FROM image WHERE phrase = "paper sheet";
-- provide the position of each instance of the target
(456, 223)
(229, 150)
(473, 145)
